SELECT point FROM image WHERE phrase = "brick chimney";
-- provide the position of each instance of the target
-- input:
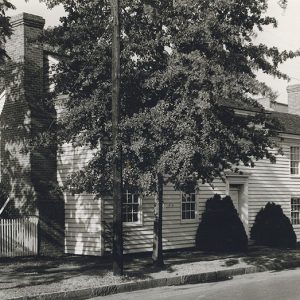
(23, 86)
(29, 173)
(294, 99)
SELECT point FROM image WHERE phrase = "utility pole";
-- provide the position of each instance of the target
(117, 247)
(157, 254)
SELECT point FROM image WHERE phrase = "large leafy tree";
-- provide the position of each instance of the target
(5, 28)
(184, 65)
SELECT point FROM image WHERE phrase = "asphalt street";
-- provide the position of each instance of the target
(281, 285)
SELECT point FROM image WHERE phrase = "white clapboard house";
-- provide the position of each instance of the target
(83, 228)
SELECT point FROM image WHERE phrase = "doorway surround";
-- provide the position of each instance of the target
(237, 188)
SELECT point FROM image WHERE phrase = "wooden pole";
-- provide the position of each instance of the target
(157, 254)
(117, 249)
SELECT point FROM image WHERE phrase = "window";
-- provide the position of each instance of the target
(295, 211)
(188, 206)
(295, 160)
(131, 208)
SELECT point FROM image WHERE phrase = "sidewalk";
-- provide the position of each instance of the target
(73, 277)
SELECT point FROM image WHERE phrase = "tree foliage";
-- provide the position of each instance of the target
(5, 28)
(183, 65)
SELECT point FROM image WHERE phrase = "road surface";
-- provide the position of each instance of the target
(282, 285)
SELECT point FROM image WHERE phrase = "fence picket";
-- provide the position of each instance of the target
(2, 234)
(1, 239)
(5, 236)
(18, 237)
(23, 235)
(11, 239)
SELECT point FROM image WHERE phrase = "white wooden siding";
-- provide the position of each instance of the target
(176, 234)
(137, 237)
(273, 183)
(83, 228)
(87, 216)
(83, 224)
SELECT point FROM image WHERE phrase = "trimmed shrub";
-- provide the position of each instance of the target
(273, 228)
(221, 228)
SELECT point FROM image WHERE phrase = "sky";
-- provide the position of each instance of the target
(285, 36)
(37, 8)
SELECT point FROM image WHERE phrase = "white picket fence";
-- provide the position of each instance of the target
(19, 237)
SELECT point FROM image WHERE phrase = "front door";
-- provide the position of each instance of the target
(234, 192)
(238, 195)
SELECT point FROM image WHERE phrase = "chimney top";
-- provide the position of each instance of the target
(27, 19)
(294, 99)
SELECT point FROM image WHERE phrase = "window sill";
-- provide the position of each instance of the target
(132, 224)
(189, 221)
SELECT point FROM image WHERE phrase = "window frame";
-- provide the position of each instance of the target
(139, 222)
(195, 219)
(291, 174)
(295, 211)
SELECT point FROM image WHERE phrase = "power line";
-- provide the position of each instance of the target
(294, 78)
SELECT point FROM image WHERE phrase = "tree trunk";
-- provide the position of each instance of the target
(157, 254)
(117, 247)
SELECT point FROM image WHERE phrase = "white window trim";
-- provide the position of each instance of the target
(139, 222)
(294, 196)
(196, 219)
(290, 160)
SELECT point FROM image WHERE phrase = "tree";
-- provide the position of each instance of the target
(183, 65)
(5, 28)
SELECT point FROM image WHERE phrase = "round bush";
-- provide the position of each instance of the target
(220, 228)
(273, 228)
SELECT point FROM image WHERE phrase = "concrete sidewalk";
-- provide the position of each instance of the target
(71, 277)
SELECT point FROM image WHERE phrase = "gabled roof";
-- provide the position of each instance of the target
(290, 122)
(255, 107)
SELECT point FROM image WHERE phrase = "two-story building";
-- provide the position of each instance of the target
(79, 224)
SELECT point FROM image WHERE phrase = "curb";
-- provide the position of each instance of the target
(160, 282)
